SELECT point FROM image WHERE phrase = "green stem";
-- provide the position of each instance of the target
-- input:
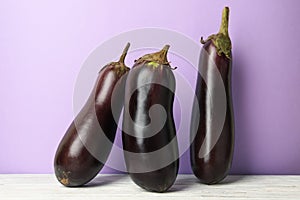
(157, 58)
(163, 53)
(225, 21)
(221, 40)
(122, 57)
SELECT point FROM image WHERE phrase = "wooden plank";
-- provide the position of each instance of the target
(45, 186)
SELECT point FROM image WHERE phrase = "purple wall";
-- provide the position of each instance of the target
(44, 43)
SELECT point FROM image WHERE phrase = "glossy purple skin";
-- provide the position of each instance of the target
(74, 163)
(215, 166)
(142, 99)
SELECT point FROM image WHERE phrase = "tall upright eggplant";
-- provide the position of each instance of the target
(149, 133)
(87, 143)
(218, 144)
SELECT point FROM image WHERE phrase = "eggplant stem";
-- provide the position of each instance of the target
(225, 22)
(221, 40)
(157, 58)
(163, 53)
(122, 57)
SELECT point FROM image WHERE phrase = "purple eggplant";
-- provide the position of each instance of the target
(87, 143)
(212, 167)
(149, 134)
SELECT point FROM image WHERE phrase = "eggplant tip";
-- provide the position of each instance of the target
(166, 47)
(64, 181)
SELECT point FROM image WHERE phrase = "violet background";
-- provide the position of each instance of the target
(44, 43)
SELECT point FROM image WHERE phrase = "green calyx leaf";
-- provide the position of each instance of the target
(153, 64)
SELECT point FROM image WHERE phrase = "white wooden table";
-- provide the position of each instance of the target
(44, 187)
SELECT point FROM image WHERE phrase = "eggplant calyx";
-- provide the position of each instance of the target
(120, 66)
(222, 40)
(156, 59)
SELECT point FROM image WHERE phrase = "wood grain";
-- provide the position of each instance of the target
(46, 187)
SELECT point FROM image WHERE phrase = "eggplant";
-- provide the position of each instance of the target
(148, 129)
(211, 150)
(87, 142)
